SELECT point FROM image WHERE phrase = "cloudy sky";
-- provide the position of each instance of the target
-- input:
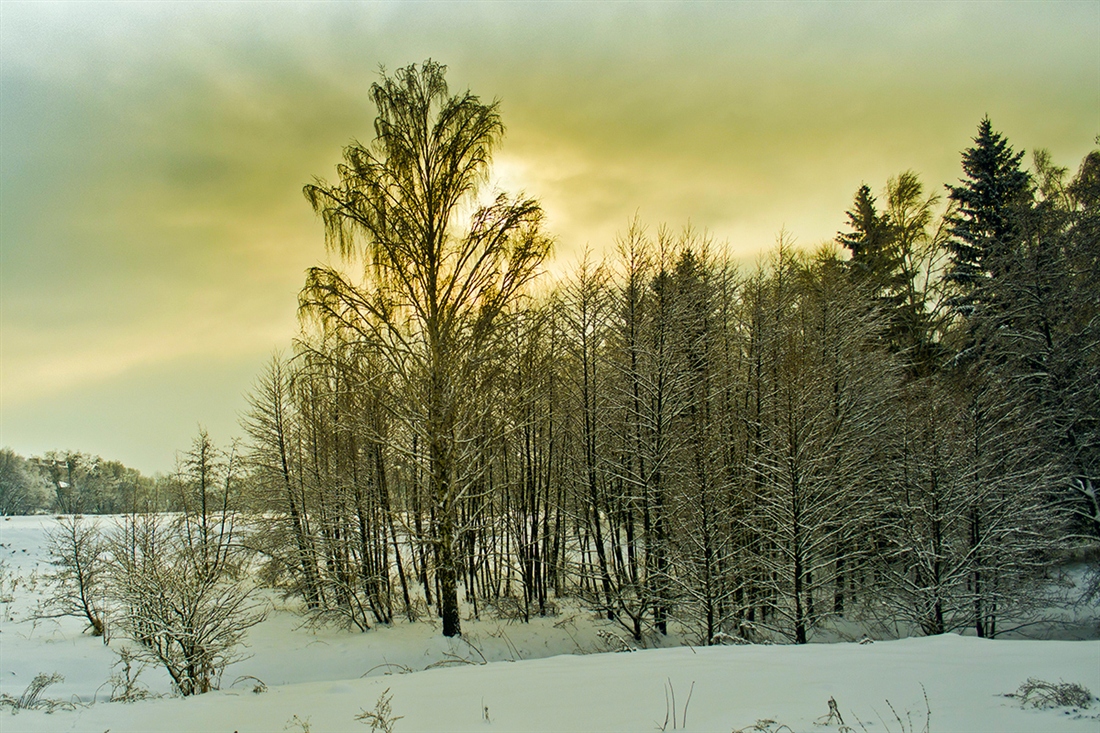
(153, 234)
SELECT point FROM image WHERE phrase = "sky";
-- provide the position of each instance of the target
(153, 232)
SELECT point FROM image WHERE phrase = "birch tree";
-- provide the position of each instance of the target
(432, 289)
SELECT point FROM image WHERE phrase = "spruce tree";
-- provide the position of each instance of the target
(876, 266)
(871, 240)
(986, 224)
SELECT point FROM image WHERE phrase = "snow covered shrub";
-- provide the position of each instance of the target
(182, 582)
(258, 686)
(724, 639)
(184, 600)
(614, 642)
(1040, 694)
(77, 552)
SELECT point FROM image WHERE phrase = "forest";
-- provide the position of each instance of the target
(909, 415)
(901, 426)
(74, 482)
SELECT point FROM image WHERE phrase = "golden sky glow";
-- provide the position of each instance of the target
(153, 235)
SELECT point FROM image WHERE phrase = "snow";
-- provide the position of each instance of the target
(327, 676)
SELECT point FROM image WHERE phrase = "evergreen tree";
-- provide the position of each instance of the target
(875, 261)
(986, 224)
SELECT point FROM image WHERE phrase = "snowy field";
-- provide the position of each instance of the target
(511, 676)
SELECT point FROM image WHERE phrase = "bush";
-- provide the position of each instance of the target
(187, 605)
(1040, 694)
(76, 549)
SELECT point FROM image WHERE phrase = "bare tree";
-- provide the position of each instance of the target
(815, 456)
(271, 425)
(76, 549)
(705, 510)
(184, 617)
(181, 582)
(585, 312)
(432, 292)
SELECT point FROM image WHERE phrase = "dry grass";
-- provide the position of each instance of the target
(1041, 694)
(32, 699)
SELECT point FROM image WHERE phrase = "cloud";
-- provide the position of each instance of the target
(154, 153)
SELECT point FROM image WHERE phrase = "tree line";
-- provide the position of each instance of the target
(906, 416)
(900, 427)
(73, 482)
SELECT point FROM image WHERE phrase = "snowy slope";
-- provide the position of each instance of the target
(734, 687)
(316, 676)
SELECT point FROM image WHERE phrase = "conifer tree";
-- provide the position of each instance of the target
(871, 241)
(984, 228)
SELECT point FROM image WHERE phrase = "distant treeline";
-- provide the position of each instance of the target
(73, 483)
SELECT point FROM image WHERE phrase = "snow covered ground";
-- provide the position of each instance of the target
(539, 676)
